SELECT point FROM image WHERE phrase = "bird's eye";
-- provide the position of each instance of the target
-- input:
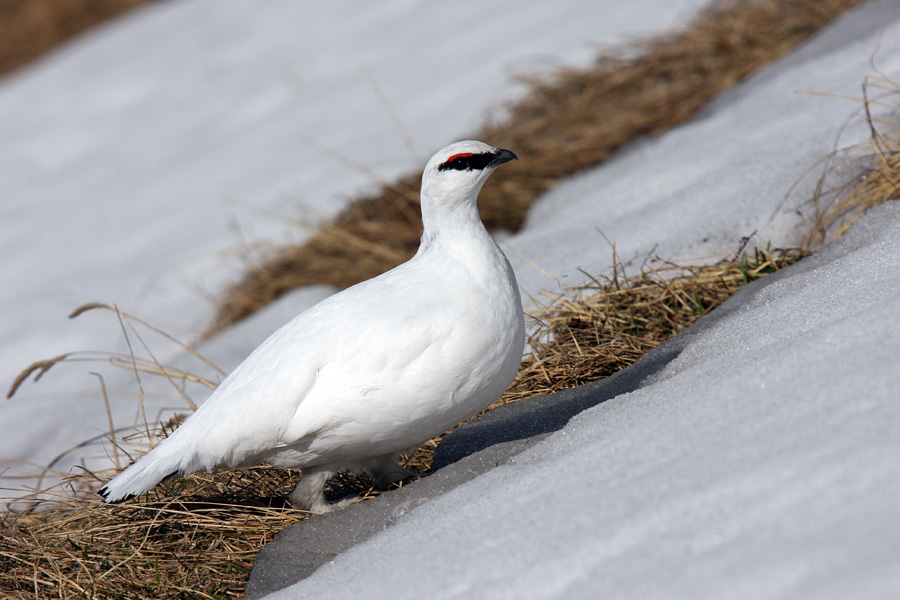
(458, 162)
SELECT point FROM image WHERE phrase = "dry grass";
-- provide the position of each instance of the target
(570, 122)
(196, 539)
(29, 28)
(592, 332)
(865, 175)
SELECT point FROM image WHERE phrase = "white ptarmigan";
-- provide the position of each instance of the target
(373, 370)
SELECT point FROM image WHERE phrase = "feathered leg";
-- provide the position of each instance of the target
(310, 492)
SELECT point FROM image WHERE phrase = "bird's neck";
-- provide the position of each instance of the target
(453, 221)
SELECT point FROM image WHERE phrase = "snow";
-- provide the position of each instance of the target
(753, 456)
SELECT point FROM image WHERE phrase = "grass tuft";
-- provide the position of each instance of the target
(873, 167)
(591, 332)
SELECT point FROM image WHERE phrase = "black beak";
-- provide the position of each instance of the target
(503, 156)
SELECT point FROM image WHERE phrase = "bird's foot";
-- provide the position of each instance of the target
(325, 506)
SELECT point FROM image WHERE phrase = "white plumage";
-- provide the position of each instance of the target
(373, 370)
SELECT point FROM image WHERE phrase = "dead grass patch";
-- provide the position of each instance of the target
(195, 538)
(567, 123)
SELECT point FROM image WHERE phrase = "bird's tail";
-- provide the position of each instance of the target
(142, 476)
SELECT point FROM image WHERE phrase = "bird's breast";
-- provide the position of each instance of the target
(429, 352)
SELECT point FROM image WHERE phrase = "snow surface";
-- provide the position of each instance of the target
(141, 163)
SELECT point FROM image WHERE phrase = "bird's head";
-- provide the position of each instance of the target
(456, 173)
